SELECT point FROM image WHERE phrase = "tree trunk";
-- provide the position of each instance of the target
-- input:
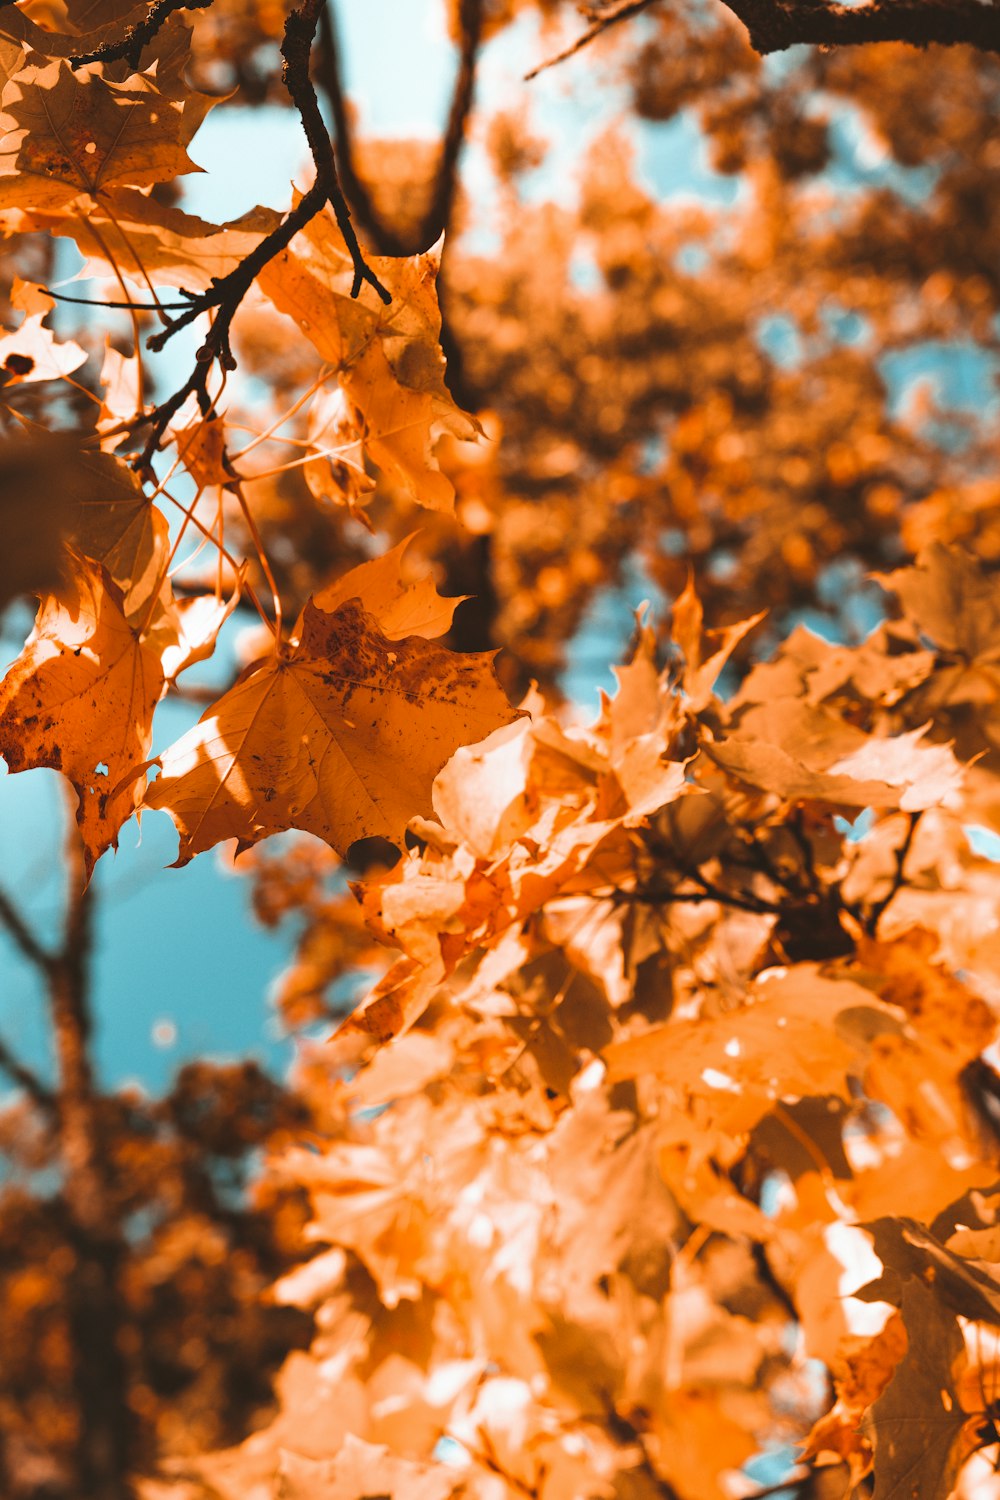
(104, 1453)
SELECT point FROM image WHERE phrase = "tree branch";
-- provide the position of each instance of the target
(25, 1079)
(774, 25)
(655, 895)
(874, 913)
(135, 38)
(623, 11)
(226, 293)
(438, 211)
(23, 937)
(114, 306)
(105, 1445)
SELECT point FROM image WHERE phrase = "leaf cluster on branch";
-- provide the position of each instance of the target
(668, 1080)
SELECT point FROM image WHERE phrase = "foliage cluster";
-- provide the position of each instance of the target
(668, 1132)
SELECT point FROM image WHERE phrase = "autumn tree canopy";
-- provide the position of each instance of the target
(652, 1145)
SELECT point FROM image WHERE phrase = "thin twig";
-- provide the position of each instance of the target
(25, 1079)
(652, 895)
(135, 38)
(874, 913)
(798, 833)
(115, 306)
(438, 213)
(24, 939)
(623, 11)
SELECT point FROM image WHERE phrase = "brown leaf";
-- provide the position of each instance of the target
(398, 429)
(116, 525)
(144, 237)
(69, 133)
(952, 599)
(909, 1251)
(51, 488)
(701, 672)
(740, 1052)
(926, 775)
(772, 769)
(916, 1427)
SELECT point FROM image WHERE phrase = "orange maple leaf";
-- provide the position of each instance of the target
(68, 133)
(340, 735)
(80, 698)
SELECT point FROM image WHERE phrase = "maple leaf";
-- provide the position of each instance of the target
(908, 1250)
(364, 1471)
(71, 133)
(143, 237)
(389, 356)
(952, 599)
(917, 1427)
(397, 429)
(315, 280)
(186, 631)
(639, 726)
(687, 628)
(33, 352)
(52, 489)
(337, 472)
(402, 605)
(340, 735)
(80, 698)
(927, 775)
(117, 525)
(892, 772)
(734, 1054)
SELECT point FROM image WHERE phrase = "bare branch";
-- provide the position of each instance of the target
(19, 1073)
(227, 292)
(620, 12)
(24, 939)
(439, 208)
(658, 895)
(438, 211)
(115, 306)
(874, 913)
(382, 236)
(135, 38)
(775, 25)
